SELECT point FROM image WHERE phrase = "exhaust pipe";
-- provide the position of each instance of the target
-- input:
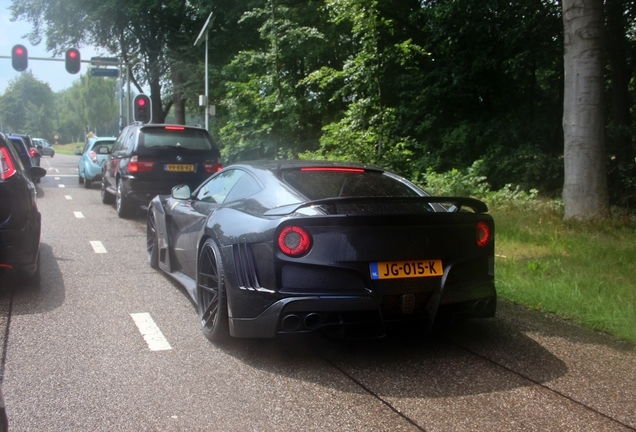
(479, 307)
(291, 322)
(312, 321)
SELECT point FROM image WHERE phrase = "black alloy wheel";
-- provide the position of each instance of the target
(107, 198)
(152, 241)
(211, 295)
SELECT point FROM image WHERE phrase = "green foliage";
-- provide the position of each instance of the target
(27, 106)
(472, 183)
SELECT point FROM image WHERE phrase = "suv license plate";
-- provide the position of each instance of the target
(406, 269)
(179, 167)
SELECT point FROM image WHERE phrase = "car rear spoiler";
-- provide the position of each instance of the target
(453, 204)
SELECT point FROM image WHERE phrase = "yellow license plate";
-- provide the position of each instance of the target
(406, 269)
(179, 167)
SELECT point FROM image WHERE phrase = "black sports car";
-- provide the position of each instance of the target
(273, 247)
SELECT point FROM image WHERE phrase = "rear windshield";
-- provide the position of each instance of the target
(320, 184)
(194, 139)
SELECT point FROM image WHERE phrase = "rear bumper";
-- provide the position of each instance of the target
(19, 248)
(303, 314)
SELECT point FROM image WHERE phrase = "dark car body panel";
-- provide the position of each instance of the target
(333, 279)
(20, 220)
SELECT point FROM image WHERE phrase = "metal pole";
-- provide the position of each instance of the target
(207, 99)
(128, 102)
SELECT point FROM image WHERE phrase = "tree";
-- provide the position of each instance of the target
(27, 106)
(585, 192)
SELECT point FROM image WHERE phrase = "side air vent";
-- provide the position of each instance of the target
(245, 268)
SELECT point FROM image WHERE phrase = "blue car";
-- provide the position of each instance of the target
(92, 158)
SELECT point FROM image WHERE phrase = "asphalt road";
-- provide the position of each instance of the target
(78, 355)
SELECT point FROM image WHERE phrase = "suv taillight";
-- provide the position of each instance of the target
(137, 166)
(7, 169)
(212, 167)
(33, 152)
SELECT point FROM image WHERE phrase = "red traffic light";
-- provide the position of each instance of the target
(142, 109)
(19, 58)
(73, 61)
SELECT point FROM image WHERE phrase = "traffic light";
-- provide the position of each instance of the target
(142, 109)
(19, 58)
(73, 60)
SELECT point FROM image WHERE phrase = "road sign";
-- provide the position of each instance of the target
(101, 72)
(105, 61)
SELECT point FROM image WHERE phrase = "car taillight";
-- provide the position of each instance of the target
(33, 152)
(212, 167)
(294, 241)
(7, 169)
(93, 156)
(484, 234)
(137, 166)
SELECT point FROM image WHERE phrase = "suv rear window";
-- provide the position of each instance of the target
(328, 183)
(194, 139)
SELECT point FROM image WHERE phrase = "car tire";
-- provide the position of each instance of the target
(211, 294)
(34, 279)
(87, 184)
(152, 241)
(107, 198)
(80, 179)
(52, 154)
(122, 204)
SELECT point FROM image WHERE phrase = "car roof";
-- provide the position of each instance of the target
(278, 165)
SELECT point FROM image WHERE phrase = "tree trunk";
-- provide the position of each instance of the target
(156, 101)
(585, 193)
(178, 102)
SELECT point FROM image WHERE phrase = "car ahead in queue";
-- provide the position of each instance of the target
(150, 159)
(23, 151)
(272, 247)
(91, 161)
(33, 151)
(20, 220)
(44, 147)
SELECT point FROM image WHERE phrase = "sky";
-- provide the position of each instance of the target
(49, 72)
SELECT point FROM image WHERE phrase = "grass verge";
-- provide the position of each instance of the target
(68, 149)
(582, 271)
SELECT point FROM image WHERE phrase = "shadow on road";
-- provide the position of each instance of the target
(49, 295)
(405, 366)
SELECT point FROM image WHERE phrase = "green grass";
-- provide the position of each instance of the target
(580, 271)
(68, 149)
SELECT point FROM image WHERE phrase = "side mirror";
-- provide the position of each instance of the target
(181, 192)
(36, 172)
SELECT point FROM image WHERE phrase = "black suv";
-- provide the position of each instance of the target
(150, 159)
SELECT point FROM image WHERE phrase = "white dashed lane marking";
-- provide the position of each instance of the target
(98, 247)
(150, 331)
(61, 185)
(68, 197)
(78, 215)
